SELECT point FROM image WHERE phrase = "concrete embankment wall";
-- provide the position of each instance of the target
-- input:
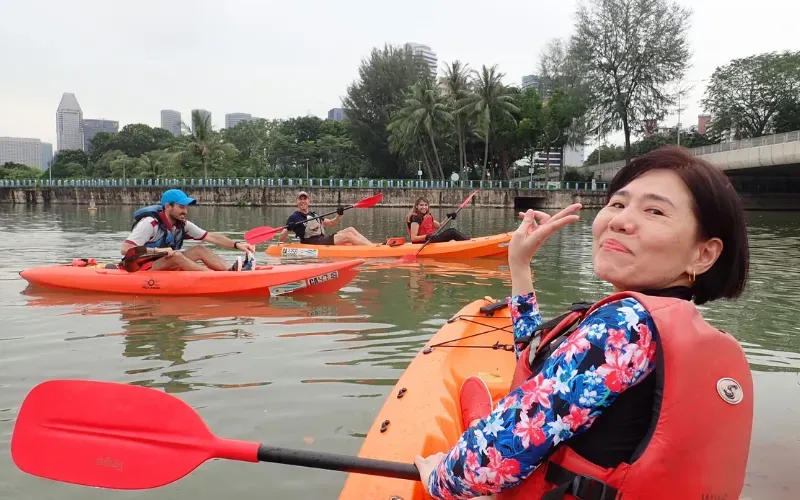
(281, 196)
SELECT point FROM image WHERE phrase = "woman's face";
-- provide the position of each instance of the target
(422, 207)
(647, 235)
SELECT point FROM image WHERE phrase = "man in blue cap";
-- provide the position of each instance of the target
(163, 228)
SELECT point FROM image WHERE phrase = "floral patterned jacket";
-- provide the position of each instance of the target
(611, 350)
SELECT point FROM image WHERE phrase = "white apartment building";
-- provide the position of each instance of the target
(427, 54)
(21, 150)
(171, 121)
(232, 119)
(69, 123)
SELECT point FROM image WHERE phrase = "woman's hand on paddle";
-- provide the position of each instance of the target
(425, 466)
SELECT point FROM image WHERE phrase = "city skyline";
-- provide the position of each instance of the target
(282, 67)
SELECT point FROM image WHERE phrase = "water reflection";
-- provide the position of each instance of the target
(321, 365)
(160, 328)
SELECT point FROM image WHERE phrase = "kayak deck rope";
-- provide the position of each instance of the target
(496, 346)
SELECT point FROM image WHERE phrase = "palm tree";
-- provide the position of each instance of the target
(201, 141)
(155, 164)
(488, 96)
(424, 112)
(456, 86)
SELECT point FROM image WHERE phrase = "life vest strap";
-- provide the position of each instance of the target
(580, 486)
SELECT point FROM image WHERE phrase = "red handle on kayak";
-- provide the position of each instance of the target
(137, 256)
(120, 436)
(264, 233)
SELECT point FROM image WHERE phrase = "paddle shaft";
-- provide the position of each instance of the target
(442, 226)
(331, 461)
(262, 236)
(275, 231)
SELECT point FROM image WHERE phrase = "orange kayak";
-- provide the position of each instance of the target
(263, 280)
(426, 418)
(484, 246)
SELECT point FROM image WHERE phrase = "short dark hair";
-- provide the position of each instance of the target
(718, 209)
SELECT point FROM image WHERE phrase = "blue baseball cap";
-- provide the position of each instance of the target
(176, 196)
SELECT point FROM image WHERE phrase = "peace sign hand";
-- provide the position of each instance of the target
(534, 229)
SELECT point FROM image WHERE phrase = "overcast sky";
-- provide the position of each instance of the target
(127, 61)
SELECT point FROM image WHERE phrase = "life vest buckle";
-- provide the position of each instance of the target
(577, 485)
(585, 488)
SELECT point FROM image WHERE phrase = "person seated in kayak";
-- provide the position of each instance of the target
(643, 398)
(312, 232)
(421, 225)
(164, 228)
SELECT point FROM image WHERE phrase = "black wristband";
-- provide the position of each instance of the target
(236, 245)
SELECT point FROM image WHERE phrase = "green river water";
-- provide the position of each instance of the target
(312, 372)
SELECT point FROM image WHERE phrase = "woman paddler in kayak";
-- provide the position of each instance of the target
(422, 226)
(643, 399)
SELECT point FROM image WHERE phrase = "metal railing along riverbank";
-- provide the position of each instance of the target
(298, 183)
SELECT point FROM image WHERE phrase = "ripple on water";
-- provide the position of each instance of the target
(311, 372)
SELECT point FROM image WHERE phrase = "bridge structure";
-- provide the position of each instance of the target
(770, 163)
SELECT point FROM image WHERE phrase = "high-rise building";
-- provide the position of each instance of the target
(428, 55)
(69, 123)
(539, 83)
(203, 114)
(650, 127)
(47, 155)
(232, 119)
(336, 114)
(171, 121)
(702, 123)
(568, 156)
(92, 127)
(21, 150)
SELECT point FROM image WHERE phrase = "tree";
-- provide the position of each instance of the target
(556, 120)
(69, 163)
(560, 68)
(748, 95)
(202, 142)
(629, 52)
(604, 154)
(18, 171)
(423, 115)
(370, 102)
(787, 117)
(455, 84)
(529, 130)
(135, 139)
(488, 96)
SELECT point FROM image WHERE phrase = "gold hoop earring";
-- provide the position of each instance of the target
(692, 278)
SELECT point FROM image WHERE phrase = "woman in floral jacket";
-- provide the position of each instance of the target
(672, 226)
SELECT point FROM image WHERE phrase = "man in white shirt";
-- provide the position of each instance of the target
(162, 229)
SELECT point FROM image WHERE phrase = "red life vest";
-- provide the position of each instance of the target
(425, 227)
(697, 448)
